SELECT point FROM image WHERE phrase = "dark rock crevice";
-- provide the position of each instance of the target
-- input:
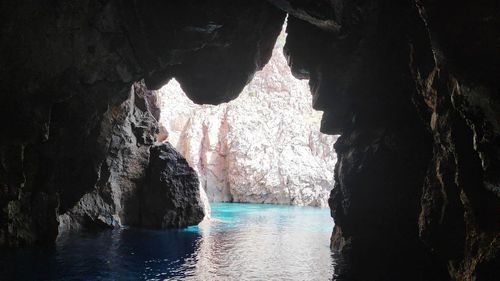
(460, 204)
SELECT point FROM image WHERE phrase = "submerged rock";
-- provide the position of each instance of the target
(170, 195)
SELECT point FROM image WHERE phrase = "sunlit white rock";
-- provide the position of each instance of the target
(263, 147)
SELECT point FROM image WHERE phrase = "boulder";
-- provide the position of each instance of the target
(170, 194)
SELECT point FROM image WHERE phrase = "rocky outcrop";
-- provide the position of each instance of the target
(138, 184)
(212, 48)
(170, 194)
(126, 133)
(264, 147)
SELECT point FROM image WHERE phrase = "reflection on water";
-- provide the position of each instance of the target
(240, 242)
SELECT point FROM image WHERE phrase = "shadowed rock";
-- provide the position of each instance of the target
(412, 86)
(170, 194)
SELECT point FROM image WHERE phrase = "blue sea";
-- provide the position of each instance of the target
(239, 242)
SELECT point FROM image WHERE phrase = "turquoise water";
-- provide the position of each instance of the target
(240, 242)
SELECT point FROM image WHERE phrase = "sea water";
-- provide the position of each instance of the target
(239, 242)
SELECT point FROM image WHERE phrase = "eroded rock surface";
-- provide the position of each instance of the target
(73, 64)
(169, 195)
(384, 148)
(138, 184)
(412, 86)
(126, 133)
(264, 147)
(361, 76)
(460, 87)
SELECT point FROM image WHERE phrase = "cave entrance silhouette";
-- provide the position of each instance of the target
(263, 147)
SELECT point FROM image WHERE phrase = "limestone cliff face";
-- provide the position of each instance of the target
(264, 147)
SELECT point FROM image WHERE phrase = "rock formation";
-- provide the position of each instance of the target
(411, 85)
(436, 164)
(169, 196)
(459, 218)
(126, 133)
(249, 150)
(358, 79)
(73, 63)
(130, 175)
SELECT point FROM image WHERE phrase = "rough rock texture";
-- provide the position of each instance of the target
(138, 184)
(212, 48)
(360, 79)
(460, 85)
(170, 194)
(401, 181)
(249, 150)
(126, 133)
(72, 62)
(412, 86)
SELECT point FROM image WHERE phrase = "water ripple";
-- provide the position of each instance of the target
(240, 242)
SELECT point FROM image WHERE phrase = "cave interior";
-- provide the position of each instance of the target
(411, 86)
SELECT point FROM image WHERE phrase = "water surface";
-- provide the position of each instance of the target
(240, 242)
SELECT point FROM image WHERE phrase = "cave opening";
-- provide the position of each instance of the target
(265, 146)
(416, 182)
(265, 175)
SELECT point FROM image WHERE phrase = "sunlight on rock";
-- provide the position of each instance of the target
(263, 147)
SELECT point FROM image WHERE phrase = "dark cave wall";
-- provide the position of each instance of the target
(412, 87)
(460, 212)
(212, 48)
(72, 64)
(361, 80)
(416, 185)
